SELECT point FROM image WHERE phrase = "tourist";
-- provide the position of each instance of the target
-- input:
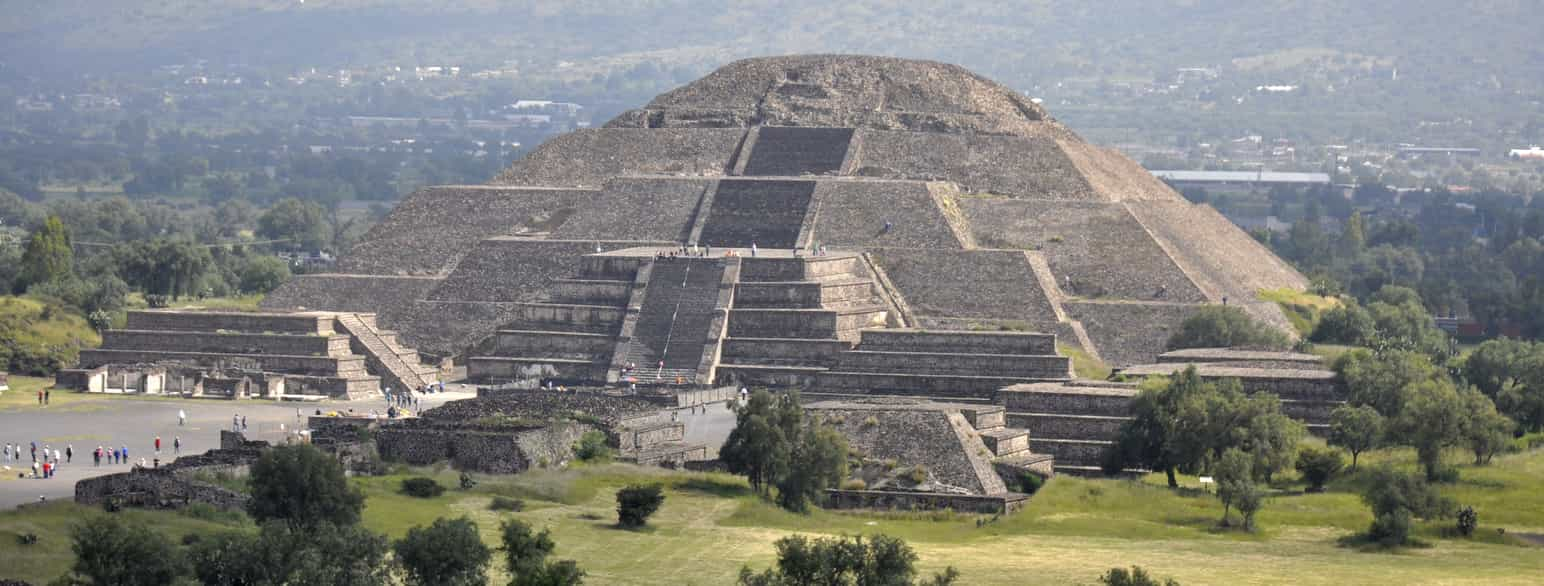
(125, 450)
(40, 402)
(886, 229)
(7, 453)
(56, 456)
(157, 444)
(236, 422)
(753, 249)
(47, 396)
(243, 423)
(34, 469)
(182, 418)
(177, 445)
(96, 457)
(69, 453)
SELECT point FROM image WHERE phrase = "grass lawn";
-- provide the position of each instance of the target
(1085, 366)
(1072, 531)
(1301, 308)
(235, 303)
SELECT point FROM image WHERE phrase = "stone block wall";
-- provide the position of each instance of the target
(941, 441)
(898, 340)
(563, 160)
(969, 284)
(852, 213)
(994, 504)
(212, 321)
(1044, 367)
(1039, 168)
(654, 209)
(1055, 398)
(516, 269)
(784, 351)
(1128, 333)
(286, 344)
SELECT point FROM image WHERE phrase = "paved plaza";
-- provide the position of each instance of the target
(117, 421)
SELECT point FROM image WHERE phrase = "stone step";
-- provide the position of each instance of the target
(1073, 452)
(573, 345)
(958, 342)
(1077, 399)
(1062, 426)
(941, 386)
(999, 365)
(1006, 441)
(535, 368)
(772, 375)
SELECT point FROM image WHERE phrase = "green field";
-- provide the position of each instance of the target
(1073, 530)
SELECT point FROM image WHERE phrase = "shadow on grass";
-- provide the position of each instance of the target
(719, 487)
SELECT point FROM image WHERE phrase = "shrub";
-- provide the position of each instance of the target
(504, 503)
(1468, 521)
(635, 503)
(854, 484)
(446, 553)
(870, 421)
(592, 447)
(1136, 576)
(1318, 466)
(27, 539)
(1028, 483)
(467, 482)
(917, 475)
(1225, 326)
(422, 487)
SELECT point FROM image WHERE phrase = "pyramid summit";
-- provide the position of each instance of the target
(893, 206)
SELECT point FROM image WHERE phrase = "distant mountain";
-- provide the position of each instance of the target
(1488, 44)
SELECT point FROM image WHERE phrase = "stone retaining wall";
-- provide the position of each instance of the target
(1003, 503)
(564, 160)
(896, 340)
(969, 284)
(173, 341)
(211, 321)
(852, 214)
(312, 365)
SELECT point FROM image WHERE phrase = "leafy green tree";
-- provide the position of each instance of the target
(302, 486)
(875, 560)
(1354, 237)
(1395, 498)
(819, 462)
(1234, 477)
(449, 552)
(636, 503)
(262, 274)
(48, 256)
(1433, 419)
(1522, 397)
(303, 223)
(1136, 576)
(758, 446)
(525, 557)
(1486, 431)
(1384, 380)
(1495, 363)
(1261, 430)
(1318, 466)
(1226, 326)
(1168, 428)
(318, 555)
(1356, 428)
(1250, 499)
(1347, 324)
(593, 446)
(110, 551)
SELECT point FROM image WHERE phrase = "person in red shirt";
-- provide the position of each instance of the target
(157, 444)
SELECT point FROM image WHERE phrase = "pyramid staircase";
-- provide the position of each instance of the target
(673, 337)
(397, 366)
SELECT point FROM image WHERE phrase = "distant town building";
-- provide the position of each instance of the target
(1532, 152)
(1266, 178)
(1450, 151)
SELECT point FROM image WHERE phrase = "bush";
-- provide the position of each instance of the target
(593, 447)
(1027, 482)
(854, 484)
(27, 539)
(636, 503)
(1136, 576)
(504, 503)
(422, 487)
(1468, 521)
(467, 482)
(1318, 466)
(1224, 326)
(448, 552)
(917, 475)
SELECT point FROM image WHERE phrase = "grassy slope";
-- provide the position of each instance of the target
(1301, 308)
(1072, 531)
(62, 328)
(1086, 366)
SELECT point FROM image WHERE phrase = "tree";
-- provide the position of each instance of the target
(48, 256)
(1261, 430)
(449, 551)
(636, 503)
(1318, 466)
(1495, 363)
(1233, 479)
(1347, 324)
(1486, 431)
(1355, 428)
(302, 486)
(1383, 380)
(757, 447)
(525, 556)
(819, 462)
(1225, 326)
(1395, 498)
(1250, 500)
(1354, 237)
(304, 224)
(262, 274)
(875, 560)
(1136, 576)
(1522, 398)
(110, 551)
(1432, 419)
(322, 554)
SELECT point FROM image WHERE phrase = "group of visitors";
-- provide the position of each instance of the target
(238, 422)
(47, 460)
(44, 395)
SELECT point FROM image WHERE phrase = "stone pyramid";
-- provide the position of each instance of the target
(973, 208)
